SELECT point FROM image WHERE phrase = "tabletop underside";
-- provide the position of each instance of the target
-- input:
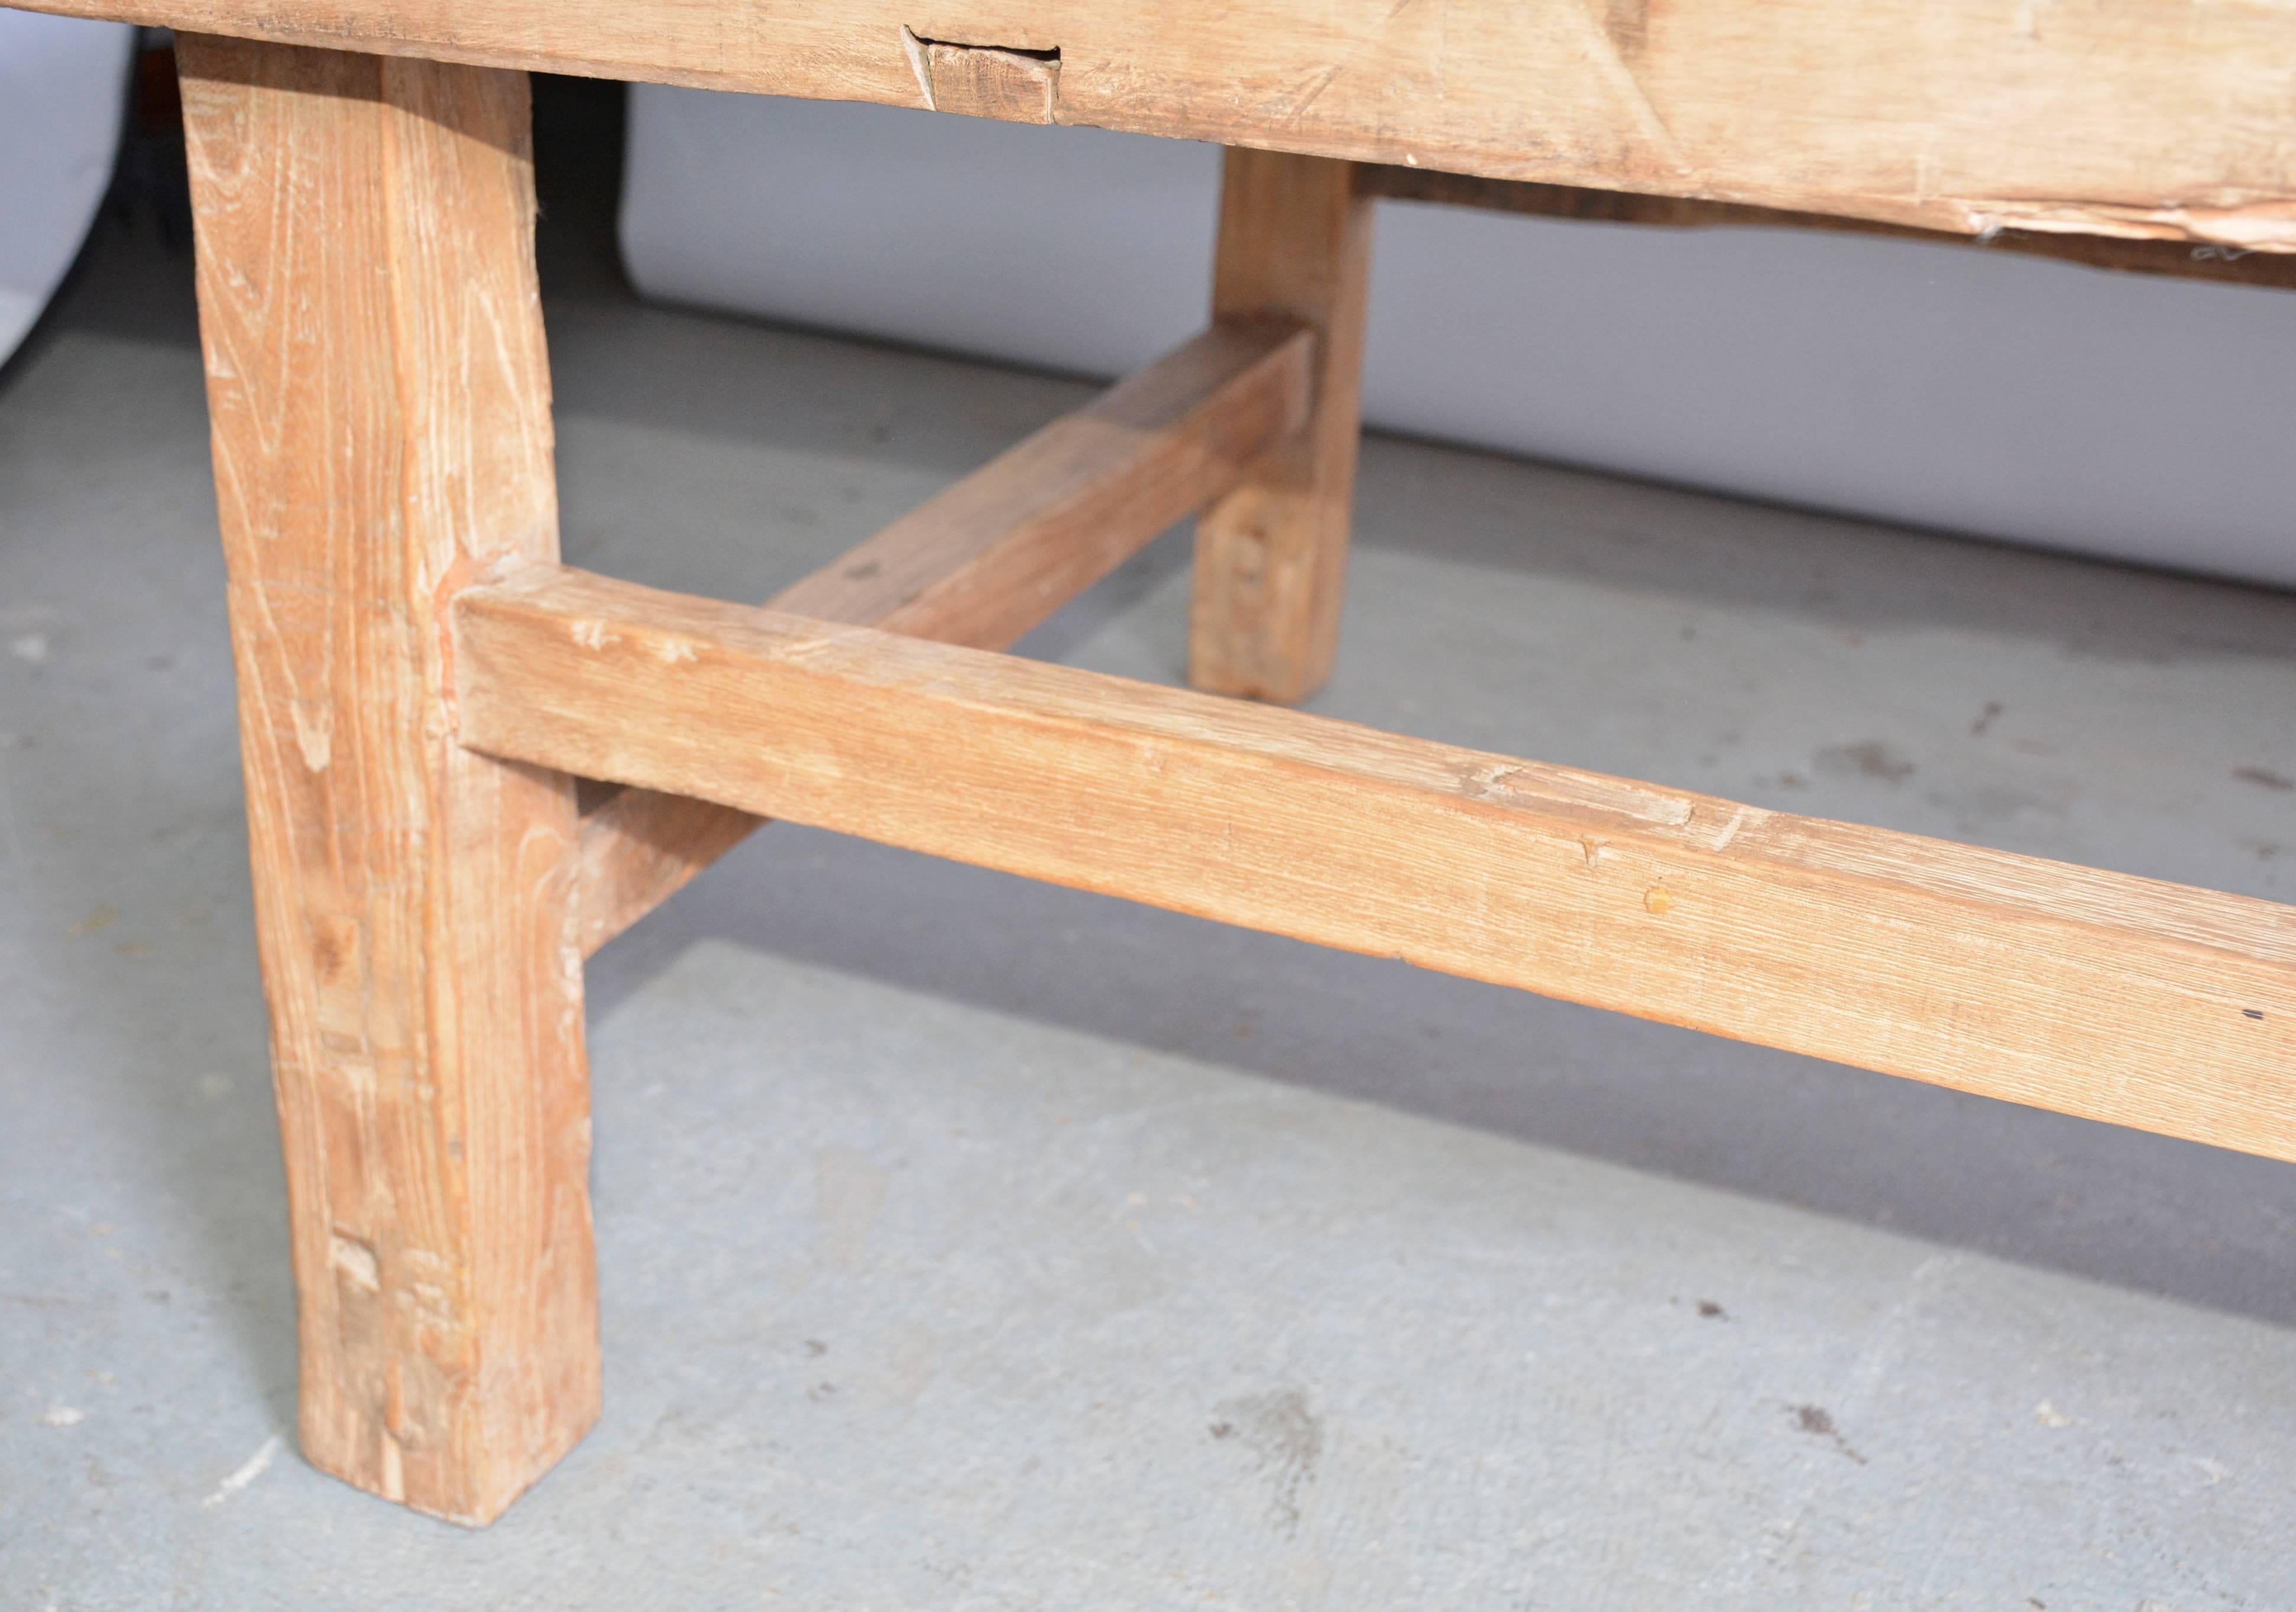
(2158, 118)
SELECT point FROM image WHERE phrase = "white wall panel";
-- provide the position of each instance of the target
(62, 94)
(2117, 414)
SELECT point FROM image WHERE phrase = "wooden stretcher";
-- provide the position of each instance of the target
(422, 682)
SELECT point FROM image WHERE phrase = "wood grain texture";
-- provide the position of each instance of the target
(2122, 999)
(2181, 259)
(981, 82)
(2143, 117)
(1272, 555)
(988, 558)
(381, 408)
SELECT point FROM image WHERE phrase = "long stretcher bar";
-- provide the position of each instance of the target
(2122, 999)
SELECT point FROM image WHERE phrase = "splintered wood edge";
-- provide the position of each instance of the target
(2179, 259)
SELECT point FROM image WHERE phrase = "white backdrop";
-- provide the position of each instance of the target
(63, 87)
(2117, 414)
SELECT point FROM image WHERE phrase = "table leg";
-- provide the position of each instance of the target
(380, 407)
(1272, 556)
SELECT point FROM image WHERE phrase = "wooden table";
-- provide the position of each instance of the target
(423, 685)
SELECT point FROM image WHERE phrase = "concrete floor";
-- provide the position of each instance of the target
(970, 1244)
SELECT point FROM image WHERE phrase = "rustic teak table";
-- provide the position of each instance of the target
(422, 684)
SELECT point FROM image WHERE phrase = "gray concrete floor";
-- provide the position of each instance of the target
(966, 1243)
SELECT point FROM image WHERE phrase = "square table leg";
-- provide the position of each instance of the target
(1272, 555)
(381, 411)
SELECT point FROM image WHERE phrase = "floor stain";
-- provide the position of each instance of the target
(1817, 1422)
(1287, 1439)
(1977, 810)
(1869, 759)
(2265, 776)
